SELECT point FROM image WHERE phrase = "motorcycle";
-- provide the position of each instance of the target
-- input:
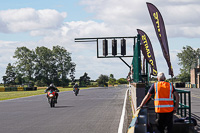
(76, 91)
(51, 98)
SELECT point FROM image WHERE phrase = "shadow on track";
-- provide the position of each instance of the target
(80, 95)
(63, 106)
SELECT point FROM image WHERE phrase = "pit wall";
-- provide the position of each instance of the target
(137, 93)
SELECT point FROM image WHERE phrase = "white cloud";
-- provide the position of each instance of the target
(115, 18)
(134, 14)
(6, 55)
(28, 19)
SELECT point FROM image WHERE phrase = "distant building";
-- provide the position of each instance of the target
(195, 75)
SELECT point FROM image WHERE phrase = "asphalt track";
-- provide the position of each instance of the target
(96, 110)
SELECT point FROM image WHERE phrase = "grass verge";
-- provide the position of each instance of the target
(20, 94)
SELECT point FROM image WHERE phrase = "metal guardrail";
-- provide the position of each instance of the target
(184, 104)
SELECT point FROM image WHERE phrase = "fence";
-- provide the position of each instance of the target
(184, 104)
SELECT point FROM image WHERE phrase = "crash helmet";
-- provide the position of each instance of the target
(51, 85)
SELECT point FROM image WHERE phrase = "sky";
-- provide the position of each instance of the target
(35, 23)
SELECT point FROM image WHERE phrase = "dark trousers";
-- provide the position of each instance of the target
(165, 121)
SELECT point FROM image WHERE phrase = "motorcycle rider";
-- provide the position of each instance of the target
(75, 86)
(52, 87)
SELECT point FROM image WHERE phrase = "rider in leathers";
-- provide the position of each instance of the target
(75, 86)
(52, 87)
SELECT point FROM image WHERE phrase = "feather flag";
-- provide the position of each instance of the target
(161, 33)
(147, 51)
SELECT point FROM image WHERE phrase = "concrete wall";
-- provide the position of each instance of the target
(137, 91)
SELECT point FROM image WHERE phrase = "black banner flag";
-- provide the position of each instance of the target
(147, 51)
(161, 33)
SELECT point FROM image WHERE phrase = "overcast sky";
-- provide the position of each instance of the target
(33, 23)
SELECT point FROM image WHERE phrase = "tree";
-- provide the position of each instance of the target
(44, 66)
(5, 80)
(19, 79)
(112, 80)
(63, 63)
(102, 80)
(184, 76)
(122, 81)
(25, 62)
(84, 80)
(10, 75)
(72, 71)
(187, 59)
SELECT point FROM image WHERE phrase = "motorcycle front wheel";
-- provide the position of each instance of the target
(52, 104)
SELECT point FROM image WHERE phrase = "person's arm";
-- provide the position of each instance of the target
(147, 97)
(56, 89)
(144, 101)
(45, 91)
(177, 101)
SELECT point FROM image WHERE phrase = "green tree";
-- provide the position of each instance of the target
(25, 62)
(64, 66)
(5, 80)
(122, 81)
(102, 80)
(10, 75)
(112, 80)
(45, 65)
(187, 59)
(84, 80)
(19, 79)
(72, 71)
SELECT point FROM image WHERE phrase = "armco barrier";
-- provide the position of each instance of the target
(2, 89)
(30, 88)
(13, 88)
(20, 88)
(8, 89)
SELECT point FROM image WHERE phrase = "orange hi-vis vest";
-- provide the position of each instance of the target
(163, 100)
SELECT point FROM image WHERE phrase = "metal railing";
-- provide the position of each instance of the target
(184, 104)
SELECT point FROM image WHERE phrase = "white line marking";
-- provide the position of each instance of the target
(120, 128)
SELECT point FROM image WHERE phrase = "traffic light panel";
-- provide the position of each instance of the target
(105, 47)
(114, 47)
(123, 47)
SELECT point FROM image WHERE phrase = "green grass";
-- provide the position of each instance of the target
(19, 94)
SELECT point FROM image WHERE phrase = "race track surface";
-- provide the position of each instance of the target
(96, 110)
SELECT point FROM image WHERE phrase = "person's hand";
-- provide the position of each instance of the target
(138, 108)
